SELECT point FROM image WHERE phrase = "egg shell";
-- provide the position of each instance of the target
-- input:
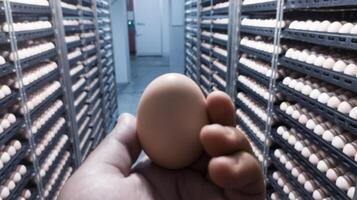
(319, 194)
(351, 70)
(302, 178)
(10, 184)
(333, 102)
(344, 107)
(319, 129)
(328, 135)
(310, 186)
(353, 113)
(339, 66)
(303, 119)
(350, 149)
(346, 28)
(324, 26)
(345, 182)
(351, 192)
(4, 192)
(354, 30)
(169, 95)
(5, 157)
(329, 63)
(334, 27)
(315, 93)
(319, 61)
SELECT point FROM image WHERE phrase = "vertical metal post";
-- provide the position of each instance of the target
(113, 50)
(198, 43)
(99, 58)
(23, 96)
(57, 19)
(232, 47)
(272, 85)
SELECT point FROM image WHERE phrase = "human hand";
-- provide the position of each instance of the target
(229, 171)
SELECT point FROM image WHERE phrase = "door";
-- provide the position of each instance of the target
(148, 25)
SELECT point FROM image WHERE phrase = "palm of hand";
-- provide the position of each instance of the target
(231, 173)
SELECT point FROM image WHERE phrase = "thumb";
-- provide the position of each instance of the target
(120, 148)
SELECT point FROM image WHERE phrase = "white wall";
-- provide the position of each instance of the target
(177, 35)
(121, 41)
(165, 9)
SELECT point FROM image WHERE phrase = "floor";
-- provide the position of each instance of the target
(144, 70)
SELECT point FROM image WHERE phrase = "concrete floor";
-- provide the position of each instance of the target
(144, 70)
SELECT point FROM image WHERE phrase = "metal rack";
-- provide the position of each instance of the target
(40, 109)
(267, 68)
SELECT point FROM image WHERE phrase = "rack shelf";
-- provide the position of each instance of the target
(260, 7)
(251, 93)
(318, 141)
(51, 145)
(276, 187)
(6, 69)
(330, 76)
(20, 186)
(292, 180)
(14, 161)
(295, 4)
(48, 125)
(260, 54)
(54, 75)
(316, 174)
(60, 178)
(243, 69)
(9, 133)
(36, 59)
(45, 104)
(333, 115)
(27, 35)
(70, 12)
(345, 41)
(251, 114)
(269, 32)
(9, 100)
(72, 45)
(29, 9)
(251, 134)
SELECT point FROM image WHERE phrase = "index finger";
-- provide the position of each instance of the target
(221, 109)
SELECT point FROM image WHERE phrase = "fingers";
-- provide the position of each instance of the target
(119, 149)
(219, 140)
(220, 109)
(240, 172)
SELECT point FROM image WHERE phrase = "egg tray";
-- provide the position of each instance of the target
(89, 89)
(251, 114)
(34, 34)
(74, 61)
(85, 129)
(91, 52)
(73, 45)
(87, 150)
(38, 58)
(57, 185)
(218, 84)
(97, 139)
(89, 40)
(263, 31)
(78, 75)
(91, 64)
(344, 41)
(14, 194)
(48, 125)
(95, 108)
(329, 113)
(14, 161)
(251, 135)
(191, 57)
(291, 179)
(87, 13)
(244, 70)
(46, 153)
(38, 84)
(95, 117)
(46, 178)
(6, 69)
(28, 9)
(70, 12)
(252, 94)
(311, 169)
(72, 29)
(9, 100)
(81, 104)
(330, 76)
(87, 27)
(318, 141)
(221, 42)
(255, 52)
(276, 188)
(205, 83)
(260, 7)
(3, 38)
(85, 140)
(220, 57)
(43, 106)
(294, 4)
(206, 73)
(96, 129)
(13, 130)
(91, 98)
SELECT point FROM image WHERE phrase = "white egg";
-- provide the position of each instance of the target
(2, 95)
(315, 93)
(283, 106)
(299, 86)
(329, 63)
(323, 98)
(16, 144)
(11, 150)
(319, 61)
(351, 192)
(353, 113)
(344, 107)
(287, 80)
(5, 124)
(346, 28)
(306, 90)
(311, 124)
(292, 83)
(334, 27)
(11, 117)
(4, 192)
(324, 26)
(311, 59)
(354, 30)
(5, 157)
(333, 102)
(339, 66)
(319, 130)
(6, 90)
(315, 26)
(328, 135)
(303, 119)
(303, 56)
(351, 70)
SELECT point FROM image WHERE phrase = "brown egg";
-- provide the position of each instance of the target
(171, 113)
